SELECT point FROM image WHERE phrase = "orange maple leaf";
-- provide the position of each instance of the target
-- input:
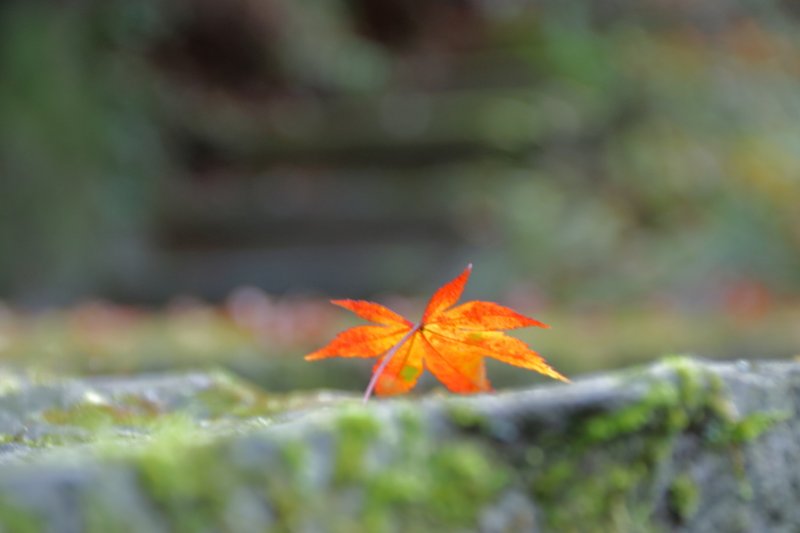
(449, 341)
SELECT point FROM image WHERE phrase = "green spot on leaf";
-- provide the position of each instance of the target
(409, 373)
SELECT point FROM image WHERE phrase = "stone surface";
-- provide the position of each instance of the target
(682, 445)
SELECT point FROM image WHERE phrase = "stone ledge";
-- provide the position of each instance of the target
(682, 445)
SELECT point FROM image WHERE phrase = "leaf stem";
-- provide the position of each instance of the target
(386, 358)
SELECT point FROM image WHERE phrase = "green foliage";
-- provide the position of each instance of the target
(683, 497)
(79, 147)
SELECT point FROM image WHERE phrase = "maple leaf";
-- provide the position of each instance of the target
(449, 341)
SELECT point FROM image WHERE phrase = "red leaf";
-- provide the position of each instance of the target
(449, 341)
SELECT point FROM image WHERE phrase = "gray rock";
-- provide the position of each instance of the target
(682, 445)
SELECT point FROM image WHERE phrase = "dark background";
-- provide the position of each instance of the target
(627, 169)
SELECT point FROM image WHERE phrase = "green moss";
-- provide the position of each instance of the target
(466, 416)
(286, 487)
(94, 416)
(16, 519)
(437, 488)
(183, 473)
(683, 497)
(447, 488)
(746, 429)
(632, 419)
(230, 396)
(294, 455)
(463, 479)
(410, 425)
(598, 474)
(384, 474)
(551, 479)
(692, 385)
(356, 429)
(407, 479)
(186, 473)
(97, 418)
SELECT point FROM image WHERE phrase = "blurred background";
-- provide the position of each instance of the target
(186, 182)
